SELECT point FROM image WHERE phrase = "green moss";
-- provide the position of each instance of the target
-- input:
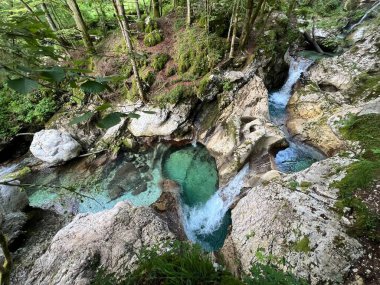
(303, 245)
(159, 61)
(153, 38)
(305, 184)
(366, 87)
(361, 175)
(174, 96)
(339, 241)
(198, 52)
(292, 185)
(17, 174)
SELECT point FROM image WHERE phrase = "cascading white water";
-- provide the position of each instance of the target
(297, 67)
(205, 219)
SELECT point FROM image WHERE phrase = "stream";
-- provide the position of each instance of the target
(96, 185)
(298, 155)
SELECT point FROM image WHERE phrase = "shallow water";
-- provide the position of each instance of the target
(100, 187)
(298, 156)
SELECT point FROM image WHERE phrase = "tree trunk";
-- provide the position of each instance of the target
(188, 13)
(122, 19)
(49, 18)
(81, 25)
(231, 23)
(138, 9)
(246, 27)
(156, 8)
(313, 42)
(31, 10)
(252, 20)
(234, 29)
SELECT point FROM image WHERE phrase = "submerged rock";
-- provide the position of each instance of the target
(110, 239)
(293, 219)
(54, 146)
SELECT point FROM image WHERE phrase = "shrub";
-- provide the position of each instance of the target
(181, 263)
(174, 96)
(149, 77)
(150, 26)
(18, 111)
(153, 38)
(171, 71)
(159, 61)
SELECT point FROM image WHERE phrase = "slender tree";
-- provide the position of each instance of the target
(138, 9)
(188, 13)
(81, 25)
(156, 8)
(234, 28)
(123, 23)
(252, 20)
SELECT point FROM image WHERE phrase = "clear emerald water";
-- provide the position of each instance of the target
(194, 169)
(129, 177)
(297, 156)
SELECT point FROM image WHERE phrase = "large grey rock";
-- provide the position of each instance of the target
(159, 122)
(109, 239)
(297, 224)
(242, 128)
(12, 201)
(54, 146)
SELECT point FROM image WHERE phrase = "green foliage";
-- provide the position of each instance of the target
(151, 26)
(268, 274)
(293, 185)
(18, 111)
(91, 86)
(179, 263)
(171, 71)
(198, 52)
(175, 95)
(23, 85)
(159, 61)
(303, 245)
(153, 38)
(361, 174)
(149, 77)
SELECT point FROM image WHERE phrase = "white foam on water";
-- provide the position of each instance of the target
(297, 67)
(204, 219)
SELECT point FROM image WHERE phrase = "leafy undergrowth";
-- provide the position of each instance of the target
(18, 111)
(185, 263)
(361, 175)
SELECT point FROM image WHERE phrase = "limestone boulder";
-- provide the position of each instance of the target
(297, 224)
(54, 146)
(110, 239)
(159, 122)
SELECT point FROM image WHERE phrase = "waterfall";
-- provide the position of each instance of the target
(203, 220)
(297, 67)
(377, 4)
